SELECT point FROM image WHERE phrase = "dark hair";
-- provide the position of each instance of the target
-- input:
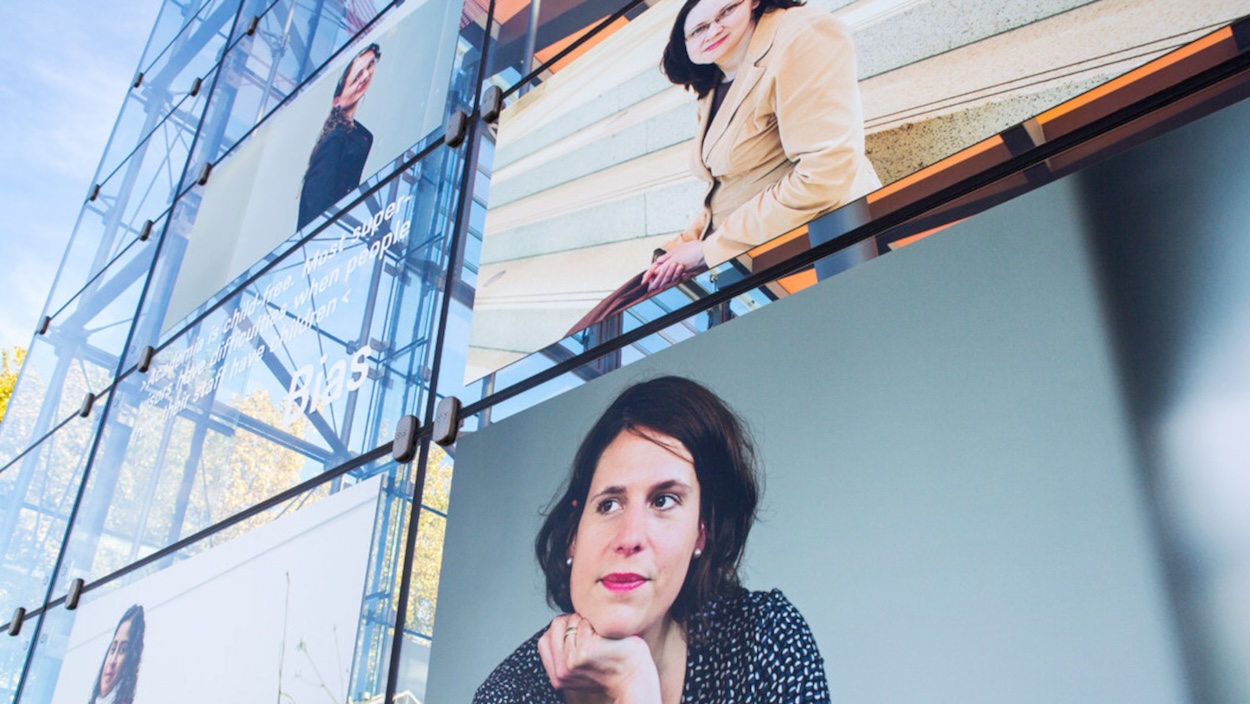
(371, 49)
(724, 464)
(700, 78)
(129, 676)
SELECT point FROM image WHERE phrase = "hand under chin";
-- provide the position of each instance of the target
(579, 659)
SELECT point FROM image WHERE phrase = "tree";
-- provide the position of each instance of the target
(10, 364)
(428, 558)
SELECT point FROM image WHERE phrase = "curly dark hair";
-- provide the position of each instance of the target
(129, 677)
(724, 464)
(700, 78)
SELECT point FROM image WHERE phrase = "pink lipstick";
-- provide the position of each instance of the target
(623, 581)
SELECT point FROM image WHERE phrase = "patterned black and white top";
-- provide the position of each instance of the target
(751, 647)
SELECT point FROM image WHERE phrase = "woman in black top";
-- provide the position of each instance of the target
(641, 553)
(338, 158)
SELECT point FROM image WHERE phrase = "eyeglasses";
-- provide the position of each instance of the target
(720, 19)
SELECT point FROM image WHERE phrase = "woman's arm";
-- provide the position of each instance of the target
(671, 266)
(821, 128)
(578, 659)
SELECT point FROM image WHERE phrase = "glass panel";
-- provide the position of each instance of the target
(313, 154)
(455, 379)
(308, 578)
(13, 652)
(207, 285)
(592, 171)
(60, 368)
(142, 189)
(516, 50)
(168, 79)
(37, 494)
(173, 19)
(192, 54)
(414, 658)
(95, 247)
(134, 126)
(463, 375)
(463, 86)
(292, 42)
(96, 323)
(307, 366)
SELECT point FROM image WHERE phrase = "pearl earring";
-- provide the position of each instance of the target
(698, 552)
(568, 562)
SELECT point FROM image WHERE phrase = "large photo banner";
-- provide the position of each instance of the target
(947, 502)
(386, 92)
(695, 130)
(271, 616)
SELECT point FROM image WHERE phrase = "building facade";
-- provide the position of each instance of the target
(318, 222)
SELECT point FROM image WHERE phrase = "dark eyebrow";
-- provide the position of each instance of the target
(609, 491)
(670, 485)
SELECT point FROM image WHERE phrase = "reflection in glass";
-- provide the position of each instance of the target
(141, 190)
(306, 367)
(304, 573)
(59, 370)
(521, 46)
(414, 655)
(13, 653)
(292, 42)
(37, 495)
(175, 20)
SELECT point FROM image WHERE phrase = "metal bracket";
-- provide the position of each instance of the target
(87, 402)
(457, 126)
(404, 447)
(75, 593)
(492, 104)
(145, 359)
(447, 421)
(15, 625)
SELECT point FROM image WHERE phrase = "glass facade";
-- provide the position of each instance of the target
(206, 427)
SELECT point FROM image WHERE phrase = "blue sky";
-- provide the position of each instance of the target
(65, 68)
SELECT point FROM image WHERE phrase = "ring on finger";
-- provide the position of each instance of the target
(569, 631)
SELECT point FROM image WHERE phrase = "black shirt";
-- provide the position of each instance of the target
(718, 97)
(751, 647)
(334, 169)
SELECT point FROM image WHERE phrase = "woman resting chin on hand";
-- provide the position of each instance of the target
(589, 667)
(641, 553)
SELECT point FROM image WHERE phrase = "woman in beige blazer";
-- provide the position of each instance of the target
(781, 130)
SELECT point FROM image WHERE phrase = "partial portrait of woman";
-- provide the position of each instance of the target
(338, 158)
(119, 673)
(641, 555)
(781, 131)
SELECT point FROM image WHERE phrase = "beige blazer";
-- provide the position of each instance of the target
(787, 145)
